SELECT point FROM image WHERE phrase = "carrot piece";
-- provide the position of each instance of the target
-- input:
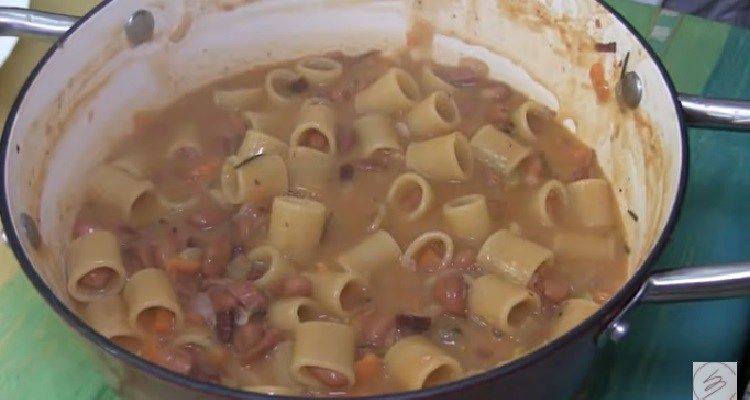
(179, 264)
(367, 368)
(428, 259)
(150, 350)
(601, 87)
(206, 170)
(162, 321)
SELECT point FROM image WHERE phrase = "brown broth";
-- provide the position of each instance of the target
(354, 201)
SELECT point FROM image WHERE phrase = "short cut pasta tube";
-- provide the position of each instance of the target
(91, 256)
(339, 293)
(467, 217)
(108, 316)
(520, 118)
(512, 257)
(501, 304)
(319, 70)
(394, 92)
(433, 238)
(296, 226)
(497, 150)
(277, 266)
(257, 142)
(444, 158)
(286, 314)
(410, 195)
(135, 163)
(280, 85)
(431, 82)
(436, 115)
(585, 246)
(378, 250)
(133, 200)
(316, 127)
(326, 345)
(311, 170)
(264, 121)
(375, 132)
(590, 203)
(416, 363)
(254, 178)
(572, 312)
(150, 290)
(549, 202)
(238, 99)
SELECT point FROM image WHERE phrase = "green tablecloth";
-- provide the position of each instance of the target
(40, 358)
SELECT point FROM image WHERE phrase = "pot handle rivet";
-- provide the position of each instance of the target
(618, 331)
(139, 28)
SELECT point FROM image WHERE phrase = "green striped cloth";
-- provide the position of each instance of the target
(41, 358)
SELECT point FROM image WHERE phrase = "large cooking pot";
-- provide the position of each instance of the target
(118, 60)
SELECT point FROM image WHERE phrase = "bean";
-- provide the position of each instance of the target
(329, 377)
(315, 139)
(375, 328)
(222, 299)
(248, 336)
(408, 324)
(270, 339)
(411, 198)
(450, 292)
(96, 279)
(225, 325)
(464, 259)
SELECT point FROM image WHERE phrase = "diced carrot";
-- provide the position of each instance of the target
(179, 264)
(367, 368)
(601, 87)
(206, 170)
(420, 35)
(150, 350)
(163, 321)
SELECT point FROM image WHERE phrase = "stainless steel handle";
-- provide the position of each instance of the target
(716, 113)
(697, 283)
(23, 22)
(685, 284)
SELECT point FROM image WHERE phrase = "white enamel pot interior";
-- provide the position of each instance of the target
(83, 95)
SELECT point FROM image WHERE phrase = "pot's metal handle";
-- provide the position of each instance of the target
(23, 22)
(711, 282)
(716, 113)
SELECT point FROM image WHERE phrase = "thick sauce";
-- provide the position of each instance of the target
(428, 299)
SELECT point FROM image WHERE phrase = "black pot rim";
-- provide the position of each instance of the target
(596, 321)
